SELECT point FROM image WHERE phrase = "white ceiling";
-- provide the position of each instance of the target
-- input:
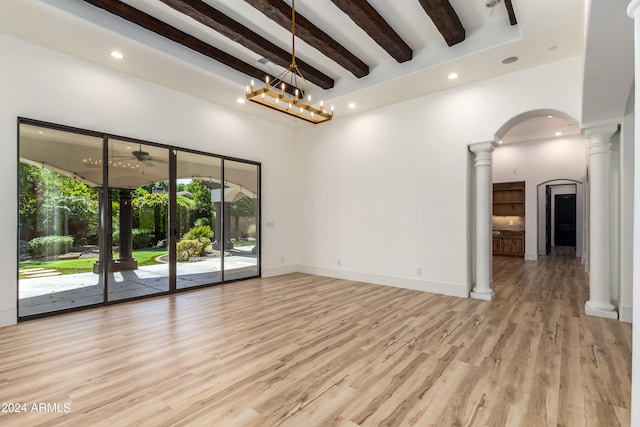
(547, 30)
(540, 128)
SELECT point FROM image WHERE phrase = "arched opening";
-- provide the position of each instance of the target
(528, 150)
(533, 148)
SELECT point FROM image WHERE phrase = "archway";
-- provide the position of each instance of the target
(536, 147)
(546, 169)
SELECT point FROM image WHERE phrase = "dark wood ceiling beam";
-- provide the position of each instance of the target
(150, 23)
(511, 12)
(212, 18)
(367, 18)
(279, 12)
(445, 19)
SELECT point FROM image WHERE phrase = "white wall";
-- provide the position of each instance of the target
(625, 219)
(385, 192)
(41, 84)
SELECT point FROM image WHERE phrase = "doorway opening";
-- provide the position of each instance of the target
(560, 211)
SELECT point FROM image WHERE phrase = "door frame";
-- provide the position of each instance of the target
(542, 214)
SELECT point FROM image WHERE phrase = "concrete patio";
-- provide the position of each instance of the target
(39, 295)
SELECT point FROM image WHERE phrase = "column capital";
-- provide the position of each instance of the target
(600, 132)
(483, 146)
(632, 9)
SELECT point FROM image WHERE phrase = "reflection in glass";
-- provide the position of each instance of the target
(198, 258)
(139, 196)
(240, 219)
(60, 174)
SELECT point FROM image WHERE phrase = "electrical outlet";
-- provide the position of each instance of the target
(281, 260)
(339, 263)
(419, 271)
(510, 222)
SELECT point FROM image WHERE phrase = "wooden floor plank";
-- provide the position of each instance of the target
(302, 350)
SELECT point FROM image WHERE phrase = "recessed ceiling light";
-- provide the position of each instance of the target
(116, 54)
(452, 76)
(40, 132)
(552, 48)
(510, 60)
(500, 142)
(551, 117)
(558, 133)
(241, 100)
(352, 105)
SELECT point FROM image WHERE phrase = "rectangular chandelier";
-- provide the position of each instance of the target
(288, 104)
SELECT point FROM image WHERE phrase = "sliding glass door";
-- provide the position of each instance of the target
(105, 219)
(198, 254)
(139, 202)
(240, 223)
(59, 187)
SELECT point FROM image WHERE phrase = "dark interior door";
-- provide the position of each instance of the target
(548, 222)
(565, 220)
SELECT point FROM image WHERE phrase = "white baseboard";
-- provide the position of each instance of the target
(531, 257)
(8, 316)
(397, 282)
(626, 314)
(280, 270)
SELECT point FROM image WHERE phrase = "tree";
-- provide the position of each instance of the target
(201, 199)
(30, 179)
(151, 212)
(243, 208)
(54, 204)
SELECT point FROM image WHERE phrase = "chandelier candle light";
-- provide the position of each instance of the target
(297, 104)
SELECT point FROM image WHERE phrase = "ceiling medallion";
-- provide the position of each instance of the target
(293, 98)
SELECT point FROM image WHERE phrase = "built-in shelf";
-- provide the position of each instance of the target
(508, 198)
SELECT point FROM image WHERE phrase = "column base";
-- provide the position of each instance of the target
(607, 311)
(483, 295)
(117, 265)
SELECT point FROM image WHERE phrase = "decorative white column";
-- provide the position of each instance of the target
(482, 165)
(634, 11)
(599, 303)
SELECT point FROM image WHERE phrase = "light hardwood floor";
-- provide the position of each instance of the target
(302, 350)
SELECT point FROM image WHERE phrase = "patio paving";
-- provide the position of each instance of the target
(51, 293)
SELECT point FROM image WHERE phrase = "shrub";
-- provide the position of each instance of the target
(186, 249)
(251, 231)
(200, 233)
(49, 245)
(141, 238)
(202, 221)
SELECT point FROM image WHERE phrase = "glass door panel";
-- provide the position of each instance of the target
(198, 252)
(139, 198)
(60, 176)
(241, 220)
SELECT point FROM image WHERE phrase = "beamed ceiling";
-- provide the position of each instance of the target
(371, 52)
(440, 12)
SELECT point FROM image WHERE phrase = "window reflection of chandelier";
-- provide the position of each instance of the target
(298, 103)
(97, 163)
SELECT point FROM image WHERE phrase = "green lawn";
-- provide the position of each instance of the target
(71, 266)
